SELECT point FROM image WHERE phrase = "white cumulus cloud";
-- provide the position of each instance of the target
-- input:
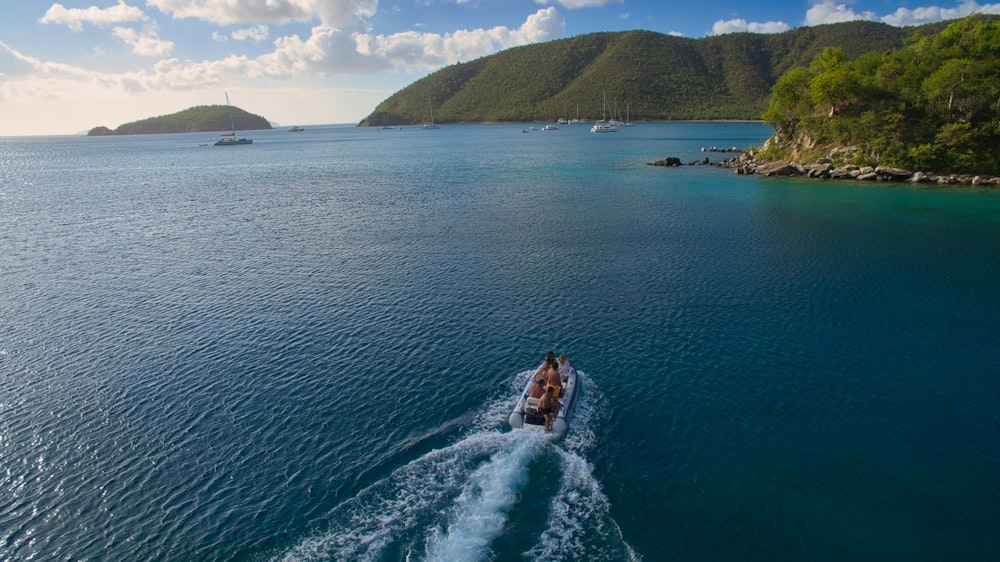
(146, 42)
(74, 18)
(256, 33)
(829, 12)
(327, 50)
(431, 50)
(227, 12)
(574, 4)
(543, 25)
(915, 16)
(741, 25)
(28, 74)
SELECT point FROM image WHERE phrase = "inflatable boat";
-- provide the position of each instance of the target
(526, 416)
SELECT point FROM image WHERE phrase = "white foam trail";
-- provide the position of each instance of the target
(580, 525)
(452, 503)
(479, 473)
(481, 509)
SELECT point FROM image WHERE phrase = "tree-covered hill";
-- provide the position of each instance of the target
(650, 75)
(931, 105)
(198, 119)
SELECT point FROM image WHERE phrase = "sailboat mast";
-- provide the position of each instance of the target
(230, 112)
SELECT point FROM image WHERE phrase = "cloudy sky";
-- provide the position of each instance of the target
(66, 67)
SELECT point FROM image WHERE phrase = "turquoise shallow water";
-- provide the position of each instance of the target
(306, 349)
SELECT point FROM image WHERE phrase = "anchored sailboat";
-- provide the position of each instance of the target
(431, 125)
(230, 139)
(604, 126)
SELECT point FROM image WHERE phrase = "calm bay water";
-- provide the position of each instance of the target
(306, 349)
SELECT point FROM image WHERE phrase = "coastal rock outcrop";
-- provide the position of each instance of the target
(836, 166)
(825, 168)
(888, 173)
(780, 168)
(818, 169)
(668, 161)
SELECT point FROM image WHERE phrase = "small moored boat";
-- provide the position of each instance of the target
(526, 415)
(430, 125)
(604, 127)
(230, 139)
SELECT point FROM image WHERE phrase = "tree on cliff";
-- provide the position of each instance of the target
(932, 105)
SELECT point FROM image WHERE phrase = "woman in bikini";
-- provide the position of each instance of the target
(542, 371)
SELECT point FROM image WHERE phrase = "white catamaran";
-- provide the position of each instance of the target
(230, 139)
(604, 126)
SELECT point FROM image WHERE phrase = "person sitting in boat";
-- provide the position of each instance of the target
(548, 406)
(543, 371)
(537, 388)
(554, 380)
(564, 367)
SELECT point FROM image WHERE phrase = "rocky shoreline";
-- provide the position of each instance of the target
(824, 168)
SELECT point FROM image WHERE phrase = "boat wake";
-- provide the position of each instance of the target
(485, 497)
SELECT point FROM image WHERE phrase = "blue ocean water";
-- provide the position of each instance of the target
(307, 348)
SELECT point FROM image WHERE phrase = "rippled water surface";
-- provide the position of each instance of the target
(306, 349)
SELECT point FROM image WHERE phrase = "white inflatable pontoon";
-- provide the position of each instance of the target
(526, 415)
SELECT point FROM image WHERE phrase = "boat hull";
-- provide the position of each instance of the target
(523, 417)
(233, 142)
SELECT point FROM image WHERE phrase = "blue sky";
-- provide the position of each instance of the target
(71, 65)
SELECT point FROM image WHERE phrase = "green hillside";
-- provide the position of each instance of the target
(932, 105)
(198, 119)
(651, 75)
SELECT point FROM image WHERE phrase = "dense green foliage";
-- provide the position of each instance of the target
(197, 119)
(931, 105)
(649, 75)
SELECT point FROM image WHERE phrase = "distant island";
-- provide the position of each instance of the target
(198, 119)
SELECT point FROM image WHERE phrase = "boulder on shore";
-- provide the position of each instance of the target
(818, 169)
(668, 161)
(888, 173)
(780, 168)
(845, 172)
